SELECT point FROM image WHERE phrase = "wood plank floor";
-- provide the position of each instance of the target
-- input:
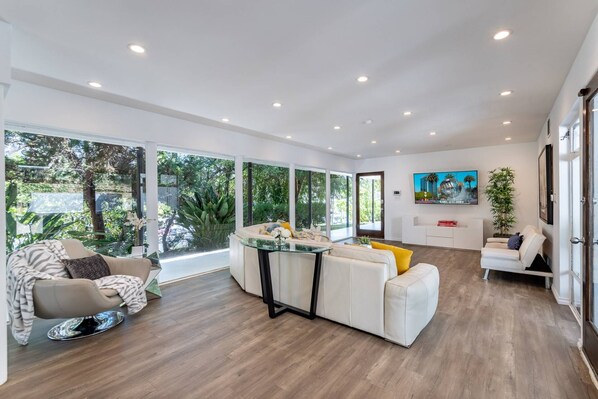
(506, 338)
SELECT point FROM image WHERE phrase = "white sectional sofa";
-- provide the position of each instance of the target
(359, 286)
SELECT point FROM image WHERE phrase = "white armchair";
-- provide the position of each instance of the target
(497, 256)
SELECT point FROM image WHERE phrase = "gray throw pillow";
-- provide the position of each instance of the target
(515, 241)
(91, 268)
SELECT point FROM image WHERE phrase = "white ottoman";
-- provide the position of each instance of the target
(410, 303)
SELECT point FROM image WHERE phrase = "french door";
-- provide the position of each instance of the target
(370, 204)
(590, 222)
(575, 216)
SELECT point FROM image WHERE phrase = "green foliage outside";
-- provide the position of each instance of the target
(302, 197)
(59, 187)
(270, 192)
(341, 201)
(66, 188)
(366, 204)
(209, 218)
(500, 192)
(196, 211)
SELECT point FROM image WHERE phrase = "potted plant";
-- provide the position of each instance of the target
(364, 241)
(500, 192)
(137, 223)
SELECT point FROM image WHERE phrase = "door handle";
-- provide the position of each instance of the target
(575, 240)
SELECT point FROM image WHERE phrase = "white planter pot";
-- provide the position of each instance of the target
(137, 250)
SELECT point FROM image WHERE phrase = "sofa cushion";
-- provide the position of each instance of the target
(532, 243)
(402, 255)
(500, 253)
(367, 255)
(91, 267)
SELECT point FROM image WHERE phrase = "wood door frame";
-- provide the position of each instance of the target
(370, 233)
(589, 333)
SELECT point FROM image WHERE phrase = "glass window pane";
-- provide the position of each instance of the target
(341, 206)
(196, 199)
(59, 187)
(310, 199)
(576, 298)
(265, 193)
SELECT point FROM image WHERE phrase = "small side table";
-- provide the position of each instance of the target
(151, 286)
(264, 248)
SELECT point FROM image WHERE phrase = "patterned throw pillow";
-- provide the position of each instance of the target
(515, 242)
(91, 268)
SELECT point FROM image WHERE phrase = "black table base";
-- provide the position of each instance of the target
(276, 308)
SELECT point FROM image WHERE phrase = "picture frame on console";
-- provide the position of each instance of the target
(545, 184)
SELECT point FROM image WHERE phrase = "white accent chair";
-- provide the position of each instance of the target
(497, 256)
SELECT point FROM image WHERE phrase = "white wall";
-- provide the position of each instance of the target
(40, 106)
(398, 175)
(583, 69)
(5, 31)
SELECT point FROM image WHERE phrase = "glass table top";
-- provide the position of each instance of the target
(270, 245)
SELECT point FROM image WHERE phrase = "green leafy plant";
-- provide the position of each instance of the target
(209, 218)
(365, 240)
(500, 192)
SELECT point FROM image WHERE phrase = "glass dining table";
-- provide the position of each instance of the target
(264, 249)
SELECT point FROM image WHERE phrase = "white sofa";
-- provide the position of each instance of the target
(497, 256)
(359, 286)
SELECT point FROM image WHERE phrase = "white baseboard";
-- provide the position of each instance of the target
(559, 299)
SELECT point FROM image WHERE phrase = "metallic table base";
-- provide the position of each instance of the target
(81, 327)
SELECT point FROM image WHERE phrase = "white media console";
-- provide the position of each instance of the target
(469, 234)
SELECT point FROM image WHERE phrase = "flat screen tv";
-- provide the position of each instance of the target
(446, 188)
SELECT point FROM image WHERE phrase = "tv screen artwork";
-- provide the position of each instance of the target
(447, 188)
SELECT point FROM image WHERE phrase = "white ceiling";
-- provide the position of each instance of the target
(233, 59)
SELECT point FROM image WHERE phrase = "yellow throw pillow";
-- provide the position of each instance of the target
(287, 225)
(402, 255)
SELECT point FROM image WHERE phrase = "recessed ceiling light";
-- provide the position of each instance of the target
(289, 137)
(362, 79)
(276, 105)
(337, 128)
(225, 120)
(358, 155)
(407, 113)
(397, 151)
(506, 93)
(368, 122)
(506, 123)
(136, 48)
(97, 85)
(432, 133)
(330, 148)
(507, 139)
(503, 34)
(374, 141)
